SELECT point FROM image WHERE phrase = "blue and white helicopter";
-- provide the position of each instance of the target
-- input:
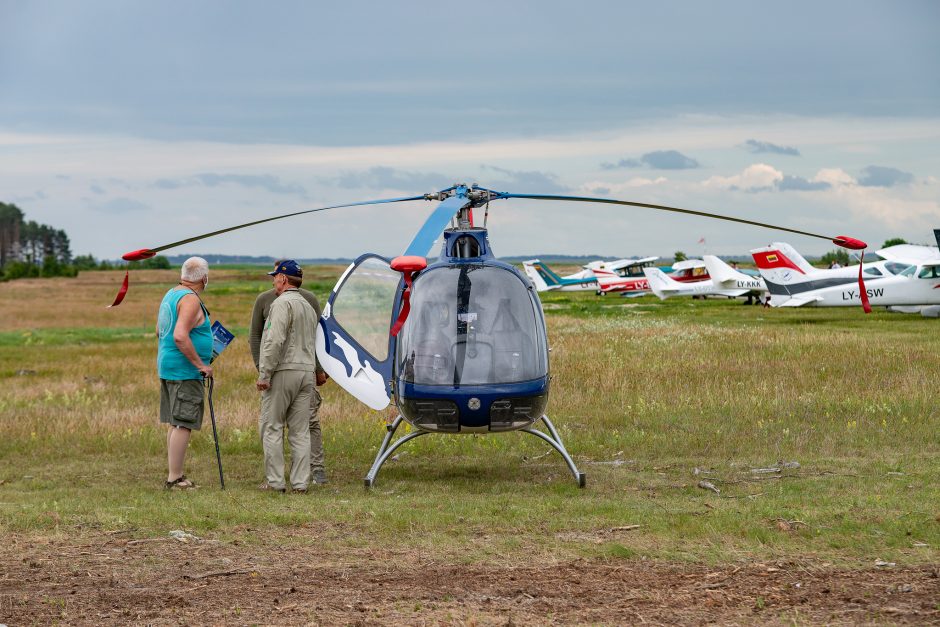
(459, 343)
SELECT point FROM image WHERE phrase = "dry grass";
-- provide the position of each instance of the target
(651, 398)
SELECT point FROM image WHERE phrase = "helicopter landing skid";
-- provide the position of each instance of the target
(388, 447)
(555, 441)
(385, 451)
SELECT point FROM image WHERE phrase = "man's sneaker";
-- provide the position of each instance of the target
(265, 487)
(319, 476)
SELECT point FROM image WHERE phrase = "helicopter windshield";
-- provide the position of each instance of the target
(472, 325)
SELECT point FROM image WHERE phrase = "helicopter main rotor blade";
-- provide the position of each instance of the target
(432, 228)
(841, 240)
(146, 253)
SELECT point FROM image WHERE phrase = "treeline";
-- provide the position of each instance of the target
(29, 249)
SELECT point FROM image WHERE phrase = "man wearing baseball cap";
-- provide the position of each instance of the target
(286, 379)
(259, 316)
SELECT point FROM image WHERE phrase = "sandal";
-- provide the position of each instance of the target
(180, 483)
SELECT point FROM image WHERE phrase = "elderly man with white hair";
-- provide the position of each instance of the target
(184, 349)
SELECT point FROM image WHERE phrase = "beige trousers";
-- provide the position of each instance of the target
(287, 404)
(316, 438)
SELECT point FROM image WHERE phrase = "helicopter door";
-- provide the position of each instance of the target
(353, 342)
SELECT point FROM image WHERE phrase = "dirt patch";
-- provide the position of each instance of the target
(106, 579)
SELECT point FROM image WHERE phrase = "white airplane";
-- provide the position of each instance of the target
(665, 286)
(899, 281)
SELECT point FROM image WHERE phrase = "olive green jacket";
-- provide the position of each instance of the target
(289, 338)
(260, 313)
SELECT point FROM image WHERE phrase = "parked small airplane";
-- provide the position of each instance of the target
(666, 286)
(628, 279)
(793, 282)
(600, 276)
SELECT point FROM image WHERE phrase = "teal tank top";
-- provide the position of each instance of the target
(171, 363)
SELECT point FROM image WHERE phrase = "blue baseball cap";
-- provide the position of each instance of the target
(288, 267)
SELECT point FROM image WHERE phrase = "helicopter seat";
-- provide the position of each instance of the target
(431, 354)
(512, 359)
(474, 359)
(433, 364)
(513, 356)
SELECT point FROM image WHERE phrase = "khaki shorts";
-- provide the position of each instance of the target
(181, 403)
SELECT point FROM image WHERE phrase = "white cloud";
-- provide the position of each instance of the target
(756, 177)
(914, 210)
(834, 176)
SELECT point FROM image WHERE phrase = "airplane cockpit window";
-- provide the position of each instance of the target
(363, 306)
(908, 271)
(873, 272)
(929, 272)
(631, 271)
(471, 325)
(895, 267)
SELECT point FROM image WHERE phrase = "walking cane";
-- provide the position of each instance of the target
(215, 433)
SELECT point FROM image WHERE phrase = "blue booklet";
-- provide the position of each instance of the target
(221, 337)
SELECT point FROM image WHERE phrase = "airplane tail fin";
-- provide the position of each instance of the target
(788, 275)
(531, 268)
(720, 272)
(781, 256)
(660, 284)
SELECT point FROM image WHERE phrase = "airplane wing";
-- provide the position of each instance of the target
(623, 263)
(798, 301)
(909, 253)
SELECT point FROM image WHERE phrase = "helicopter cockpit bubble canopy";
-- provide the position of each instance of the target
(472, 324)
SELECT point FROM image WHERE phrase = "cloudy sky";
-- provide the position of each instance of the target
(134, 124)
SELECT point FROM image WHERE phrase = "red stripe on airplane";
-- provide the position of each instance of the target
(774, 259)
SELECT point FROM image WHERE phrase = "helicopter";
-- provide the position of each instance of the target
(460, 344)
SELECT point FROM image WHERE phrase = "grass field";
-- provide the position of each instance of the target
(653, 399)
